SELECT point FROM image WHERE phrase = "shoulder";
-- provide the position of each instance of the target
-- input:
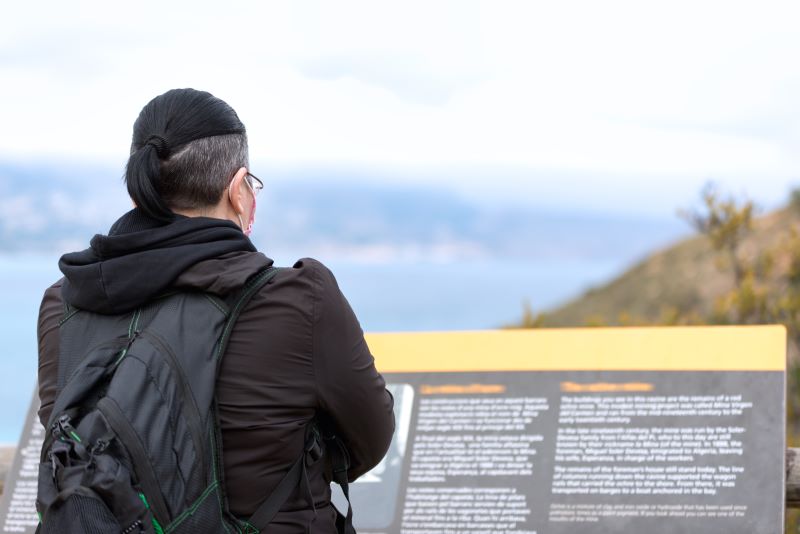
(308, 267)
(54, 291)
(51, 307)
(294, 309)
(308, 274)
(306, 288)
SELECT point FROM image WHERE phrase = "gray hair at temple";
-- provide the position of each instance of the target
(196, 176)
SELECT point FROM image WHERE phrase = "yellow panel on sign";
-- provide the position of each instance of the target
(718, 348)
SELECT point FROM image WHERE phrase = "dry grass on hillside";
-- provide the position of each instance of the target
(682, 280)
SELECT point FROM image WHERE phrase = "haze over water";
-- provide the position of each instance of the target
(398, 297)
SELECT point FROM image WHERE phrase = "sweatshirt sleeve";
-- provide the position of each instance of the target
(50, 313)
(351, 391)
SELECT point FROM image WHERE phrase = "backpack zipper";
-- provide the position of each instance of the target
(141, 462)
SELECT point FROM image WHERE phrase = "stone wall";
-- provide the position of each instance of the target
(6, 456)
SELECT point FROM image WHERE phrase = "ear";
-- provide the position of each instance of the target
(237, 191)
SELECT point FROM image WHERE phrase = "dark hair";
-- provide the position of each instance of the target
(186, 146)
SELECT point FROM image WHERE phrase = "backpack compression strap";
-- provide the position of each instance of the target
(340, 461)
(297, 475)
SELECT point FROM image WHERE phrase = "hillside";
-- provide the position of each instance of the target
(686, 277)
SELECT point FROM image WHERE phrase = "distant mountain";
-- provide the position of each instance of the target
(57, 208)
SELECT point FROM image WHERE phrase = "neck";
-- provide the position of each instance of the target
(219, 211)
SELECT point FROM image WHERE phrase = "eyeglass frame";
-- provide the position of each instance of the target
(259, 185)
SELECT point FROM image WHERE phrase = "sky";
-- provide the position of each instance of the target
(617, 106)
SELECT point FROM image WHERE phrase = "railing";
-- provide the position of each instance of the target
(792, 478)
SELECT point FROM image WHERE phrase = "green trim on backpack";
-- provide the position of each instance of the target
(68, 315)
(193, 508)
(151, 331)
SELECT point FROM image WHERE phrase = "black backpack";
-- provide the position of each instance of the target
(133, 443)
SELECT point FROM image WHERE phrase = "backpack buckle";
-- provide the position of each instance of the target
(313, 449)
(340, 460)
(53, 466)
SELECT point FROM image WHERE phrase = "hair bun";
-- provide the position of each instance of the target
(160, 144)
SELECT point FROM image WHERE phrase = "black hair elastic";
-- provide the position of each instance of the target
(160, 144)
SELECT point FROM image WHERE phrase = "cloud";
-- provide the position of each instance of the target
(410, 78)
(689, 90)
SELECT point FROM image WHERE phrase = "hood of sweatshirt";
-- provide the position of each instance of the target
(141, 258)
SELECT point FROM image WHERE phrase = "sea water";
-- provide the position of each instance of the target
(464, 295)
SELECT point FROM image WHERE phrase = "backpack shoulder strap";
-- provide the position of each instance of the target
(297, 475)
(251, 287)
(315, 444)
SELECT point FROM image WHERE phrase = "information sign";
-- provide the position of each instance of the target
(572, 431)
(566, 431)
(18, 502)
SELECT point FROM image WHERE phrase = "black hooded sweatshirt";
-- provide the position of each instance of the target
(297, 352)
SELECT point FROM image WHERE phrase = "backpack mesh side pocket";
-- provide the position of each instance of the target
(81, 514)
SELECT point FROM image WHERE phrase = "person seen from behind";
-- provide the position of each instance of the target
(296, 388)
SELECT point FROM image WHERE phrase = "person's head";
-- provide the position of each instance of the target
(189, 155)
